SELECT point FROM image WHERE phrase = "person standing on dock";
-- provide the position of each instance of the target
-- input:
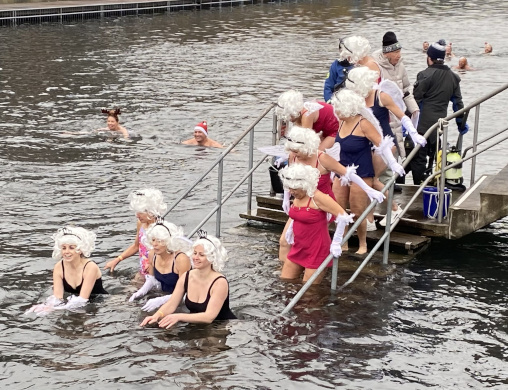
(201, 137)
(434, 88)
(318, 116)
(336, 75)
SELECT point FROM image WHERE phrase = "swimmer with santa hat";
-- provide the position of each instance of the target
(201, 137)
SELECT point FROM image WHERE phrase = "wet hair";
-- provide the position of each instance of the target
(147, 200)
(215, 253)
(347, 103)
(289, 104)
(113, 112)
(300, 176)
(168, 233)
(353, 49)
(361, 80)
(302, 140)
(71, 235)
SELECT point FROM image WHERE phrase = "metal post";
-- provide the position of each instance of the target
(444, 146)
(335, 272)
(386, 248)
(220, 174)
(475, 141)
(249, 182)
(275, 133)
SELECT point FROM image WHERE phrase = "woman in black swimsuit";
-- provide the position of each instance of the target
(74, 273)
(206, 289)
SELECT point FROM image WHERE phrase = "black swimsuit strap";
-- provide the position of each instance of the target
(210, 289)
(82, 275)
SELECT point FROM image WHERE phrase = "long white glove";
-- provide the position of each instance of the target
(371, 192)
(155, 303)
(290, 235)
(417, 138)
(280, 161)
(286, 204)
(73, 302)
(385, 151)
(342, 221)
(47, 307)
(150, 282)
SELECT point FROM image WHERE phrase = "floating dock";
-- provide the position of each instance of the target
(481, 204)
(71, 11)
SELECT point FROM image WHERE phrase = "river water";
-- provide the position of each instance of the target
(438, 322)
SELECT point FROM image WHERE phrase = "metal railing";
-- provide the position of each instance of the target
(442, 125)
(220, 163)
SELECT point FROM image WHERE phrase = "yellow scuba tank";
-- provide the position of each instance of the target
(453, 176)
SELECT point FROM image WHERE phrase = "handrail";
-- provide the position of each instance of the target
(220, 158)
(389, 185)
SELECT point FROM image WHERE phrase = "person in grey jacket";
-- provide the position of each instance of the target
(434, 88)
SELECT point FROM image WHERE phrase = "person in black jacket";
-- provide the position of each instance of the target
(434, 88)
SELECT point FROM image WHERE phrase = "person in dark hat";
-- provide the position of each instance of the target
(392, 68)
(434, 88)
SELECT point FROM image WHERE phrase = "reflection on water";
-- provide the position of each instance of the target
(438, 322)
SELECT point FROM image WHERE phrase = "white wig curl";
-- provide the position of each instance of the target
(171, 235)
(289, 105)
(301, 176)
(353, 49)
(302, 140)
(361, 80)
(215, 253)
(147, 200)
(71, 235)
(347, 103)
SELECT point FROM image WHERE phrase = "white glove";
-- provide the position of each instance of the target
(342, 221)
(346, 178)
(155, 303)
(290, 235)
(286, 204)
(280, 161)
(47, 307)
(73, 302)
(371, 192)
(150, 282)
(417, 138)
(385, 151)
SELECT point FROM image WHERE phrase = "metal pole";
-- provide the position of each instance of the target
(219, 198)
(275, 131)
(475, 143)
(249, 182)
(444, 147)
(335, 272)
(386, 248)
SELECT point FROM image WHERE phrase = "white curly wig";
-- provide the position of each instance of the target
(361, 80)
(71, 235)
(289, 105)
(347, 103)
(302, 176)
(353, 49)
(148, 200)
(171, 235)
(215, 253)
(302, 140)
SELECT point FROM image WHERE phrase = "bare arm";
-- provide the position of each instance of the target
(131, 250)
(218, 295)
(388, 102)
(182, 264)
(327, 204)
(332, 165)
(90, 275)
(370, 132)
(58, 288)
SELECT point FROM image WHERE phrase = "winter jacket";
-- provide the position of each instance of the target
(335, 77)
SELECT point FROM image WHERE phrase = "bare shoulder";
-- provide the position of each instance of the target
(215, 144)
(57, 269)
(191, 141)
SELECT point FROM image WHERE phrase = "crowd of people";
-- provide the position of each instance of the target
(343, 150)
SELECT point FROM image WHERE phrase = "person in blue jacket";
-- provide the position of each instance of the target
(336, 74)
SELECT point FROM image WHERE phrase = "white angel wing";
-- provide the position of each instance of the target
(367, 114)
(312, 107)
(392, 89)
(274, 150)
(334, 151)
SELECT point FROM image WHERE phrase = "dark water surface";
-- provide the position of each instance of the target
(439, 322)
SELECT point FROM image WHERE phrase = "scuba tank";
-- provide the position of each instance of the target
(453, 176)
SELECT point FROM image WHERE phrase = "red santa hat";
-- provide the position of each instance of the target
(202, 127)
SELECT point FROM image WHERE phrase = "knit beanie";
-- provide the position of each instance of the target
(390, 42)
(436, 51)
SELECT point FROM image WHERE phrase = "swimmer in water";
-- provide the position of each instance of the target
(113, 123)
(201, 137)
(487, 48)
(426, 45)
(463, 64)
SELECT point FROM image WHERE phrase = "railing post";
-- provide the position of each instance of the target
(275, 133)
(249, 182)
(220, 174)
(440, 200)
(386, 248)
(475, 141)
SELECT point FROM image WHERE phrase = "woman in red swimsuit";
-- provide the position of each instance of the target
(308, 233)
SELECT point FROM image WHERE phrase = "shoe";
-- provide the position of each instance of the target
(397, 188)
(395, 215)
(371, 226)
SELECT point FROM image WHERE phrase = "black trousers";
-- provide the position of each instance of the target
(419, 165)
